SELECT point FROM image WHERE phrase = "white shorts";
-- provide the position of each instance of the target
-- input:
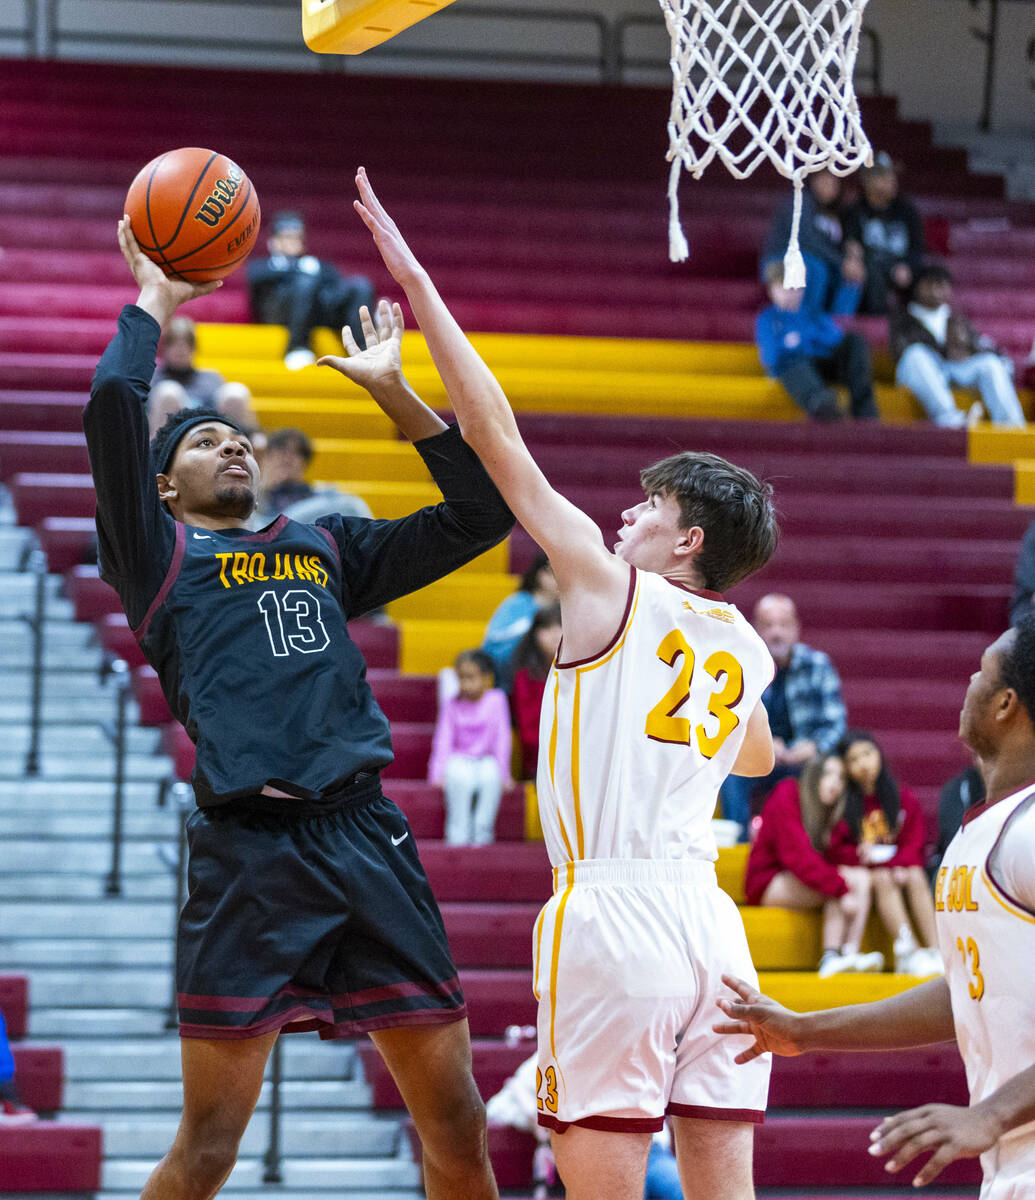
(1009, 1167)
(629, 955)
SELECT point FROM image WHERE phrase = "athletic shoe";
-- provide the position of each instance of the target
(868, 963)
(833, 963)
(15, 1114)
(296, 359)
(926, 961)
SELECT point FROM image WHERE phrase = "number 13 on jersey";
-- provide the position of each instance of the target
(663, 725)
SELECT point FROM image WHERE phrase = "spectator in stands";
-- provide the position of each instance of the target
(806, 712)
(530, 666)
(936, 346)
(177, 384)
(830, 262)
(470, 756)
(883, 829)
(962, 792)
(285, 488)
(515, 1105)
(1024, 577)
(888, 227)
(807, 352)
(300, 291)
(12, 1111)
(513, 618)
(787, 869)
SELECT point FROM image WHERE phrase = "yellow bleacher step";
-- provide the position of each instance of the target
(342, 417)
(472, 597)
(388, 498)
(375, 459)
(782, 940)
(804, 991)
(988, 443)
(730, 869)
(426, 646)
(1024, 481)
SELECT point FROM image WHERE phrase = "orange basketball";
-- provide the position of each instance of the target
(194, 213)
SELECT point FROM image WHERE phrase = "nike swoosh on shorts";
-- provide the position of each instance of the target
(399, 841)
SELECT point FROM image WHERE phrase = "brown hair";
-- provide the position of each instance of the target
(731, 506)
(818, 818)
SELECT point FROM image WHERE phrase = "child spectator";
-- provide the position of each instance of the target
(530, 666)
(12, 1111)
(936, 346)
(883, 829)
(888, 228)
(786, 867)
(511, 620)
(470, 756)
(807, 351)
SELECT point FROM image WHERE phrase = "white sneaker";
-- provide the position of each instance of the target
(835, 964)
(868, 963)
(926, 961)
(295, 360)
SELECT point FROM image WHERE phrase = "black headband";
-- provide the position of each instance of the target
(161, 467)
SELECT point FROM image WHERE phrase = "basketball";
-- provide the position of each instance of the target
(195, 213)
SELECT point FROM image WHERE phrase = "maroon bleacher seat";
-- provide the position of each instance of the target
(497, 998)
(117, 638)
(14, 1003)
(39, 1071)
(148, 694)
(38, 496)
(93, 598)
(423, 805)
(31, 451)
(66, 540)
(48, 1157)
(505, 871)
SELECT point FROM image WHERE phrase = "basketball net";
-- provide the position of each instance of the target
(763, 80)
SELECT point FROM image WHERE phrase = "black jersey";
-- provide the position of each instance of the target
(247, 630)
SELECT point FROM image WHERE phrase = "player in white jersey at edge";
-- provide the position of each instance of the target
(985, 916)
(655, 698)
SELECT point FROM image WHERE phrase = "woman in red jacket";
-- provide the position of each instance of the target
(883, 830)
(530, 666)
(786, 867)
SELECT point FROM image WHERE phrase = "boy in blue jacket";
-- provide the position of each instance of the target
(807, 352)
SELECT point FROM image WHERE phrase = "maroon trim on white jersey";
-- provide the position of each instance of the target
(992, 801)
(705, 595)
(990, 865)
(581, 662)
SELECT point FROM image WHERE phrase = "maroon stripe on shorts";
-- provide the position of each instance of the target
(702, 1112)
(222, 1003)
(606, 1124)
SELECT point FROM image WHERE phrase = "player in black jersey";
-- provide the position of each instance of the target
(308, 907)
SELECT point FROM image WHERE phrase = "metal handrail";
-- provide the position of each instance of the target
(183, 798)
(117, 733)
(28, 30)
(271, 1159)
(37, 565)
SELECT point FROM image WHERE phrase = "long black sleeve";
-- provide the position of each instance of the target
(382, 560)
(135, 534)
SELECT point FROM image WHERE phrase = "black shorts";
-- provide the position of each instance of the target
(317, 919)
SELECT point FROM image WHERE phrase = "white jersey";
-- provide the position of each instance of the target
(985, 909)
(636, 741)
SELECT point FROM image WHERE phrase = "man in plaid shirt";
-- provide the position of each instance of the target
(806, 712)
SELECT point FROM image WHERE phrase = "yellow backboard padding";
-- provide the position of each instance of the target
(352, 26)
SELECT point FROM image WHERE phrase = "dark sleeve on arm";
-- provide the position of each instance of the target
(135, 534)
(383, 560)
(1024, 577)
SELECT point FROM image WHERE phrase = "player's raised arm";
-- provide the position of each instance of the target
(571, 539)
(377, 368)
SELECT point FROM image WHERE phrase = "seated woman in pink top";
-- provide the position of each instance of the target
(470, 755)
(883, 830)
(787, 869)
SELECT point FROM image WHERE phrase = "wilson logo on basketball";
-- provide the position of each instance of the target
(221, 197)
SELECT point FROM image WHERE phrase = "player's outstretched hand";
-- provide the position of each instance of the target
(398, 257)
(380, 360)
(753, 1015)
(152, 280)
(950, 1131)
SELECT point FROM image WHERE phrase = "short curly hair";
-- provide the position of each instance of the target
(1017, 663)
(166, 439)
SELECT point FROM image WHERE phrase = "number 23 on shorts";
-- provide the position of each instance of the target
(662, 723)
(546, 1089)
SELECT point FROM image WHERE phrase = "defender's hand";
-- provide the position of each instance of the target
(398, 257)
(950, 1131)
(380, 361)
(753, 1015)
(157, 290)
